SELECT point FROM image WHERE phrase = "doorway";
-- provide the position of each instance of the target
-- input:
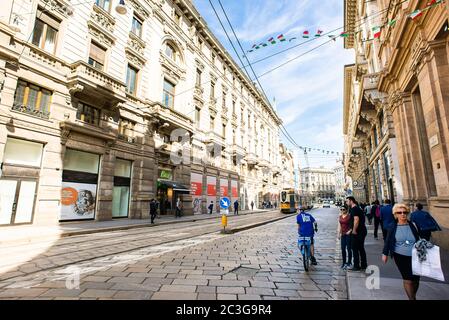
(17, 200)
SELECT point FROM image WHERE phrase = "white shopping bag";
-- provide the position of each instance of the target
(431, 267)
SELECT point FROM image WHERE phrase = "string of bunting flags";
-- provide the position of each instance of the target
(307, 149)
(376, 31)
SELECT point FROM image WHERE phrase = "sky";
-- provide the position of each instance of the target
(308, 90)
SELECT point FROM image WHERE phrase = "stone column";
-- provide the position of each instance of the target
(105, 187)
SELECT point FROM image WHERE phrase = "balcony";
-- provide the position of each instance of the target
(31, 111)
(251, 158)
(168, 118)
(92, 82)
(86, 129)
(198, 93)
(213, 137)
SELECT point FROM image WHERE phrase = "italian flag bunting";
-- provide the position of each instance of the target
(272, 40)
(305, 34)
(281, 37)
(415, 14)
(376, 32)
(344, 34)
(391, 23)
(318, 33)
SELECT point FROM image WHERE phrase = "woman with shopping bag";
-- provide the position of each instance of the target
(399, 243)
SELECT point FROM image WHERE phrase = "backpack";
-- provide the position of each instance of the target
(429, 223)
(377, 211)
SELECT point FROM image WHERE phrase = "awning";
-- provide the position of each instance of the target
(176, 186)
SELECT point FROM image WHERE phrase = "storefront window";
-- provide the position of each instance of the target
(81, 161)
(122, 184)
(22, 152)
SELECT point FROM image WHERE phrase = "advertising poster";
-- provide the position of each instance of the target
(234, 192)
(212, 192)
(224, 188)
(78, 201)
(196, 185)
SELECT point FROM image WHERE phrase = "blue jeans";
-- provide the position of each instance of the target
(346, 246)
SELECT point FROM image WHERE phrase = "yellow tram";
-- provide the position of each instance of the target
(289, 199)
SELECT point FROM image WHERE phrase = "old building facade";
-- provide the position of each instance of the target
(396, 103)
(102, 111)
(318, 183)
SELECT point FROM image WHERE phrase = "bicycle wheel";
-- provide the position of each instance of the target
(305, 258)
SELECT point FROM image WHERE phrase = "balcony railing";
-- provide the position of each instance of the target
(31, 111)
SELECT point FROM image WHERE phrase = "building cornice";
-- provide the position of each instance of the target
(350, 12)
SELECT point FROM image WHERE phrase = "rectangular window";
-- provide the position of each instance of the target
(198, 78)
(104, 4)
(212, 90)
(233, 106)
(97, 56)
(121, 191)
(177, 17)
(212, 123)
(32, 99)
(136, 26)
(223, 131)
(197, 116)
(168, 94)
(45, 31)
(88, 114)
(131, 80)
(23, 152)
(376, 138)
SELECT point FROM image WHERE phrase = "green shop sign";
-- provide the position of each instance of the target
(165, 174)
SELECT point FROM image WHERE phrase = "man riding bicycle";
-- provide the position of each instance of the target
(306, 225)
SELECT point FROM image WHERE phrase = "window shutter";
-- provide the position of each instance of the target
(97, 53)
(46, 18)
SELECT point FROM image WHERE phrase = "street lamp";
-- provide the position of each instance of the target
(121, 8)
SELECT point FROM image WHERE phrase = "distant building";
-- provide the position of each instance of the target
(340, 182)
(318, 183)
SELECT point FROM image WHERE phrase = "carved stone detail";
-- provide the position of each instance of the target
(140, 10)
(59, 7)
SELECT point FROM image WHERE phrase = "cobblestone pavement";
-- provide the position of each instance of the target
(23, 259)
(259, 263)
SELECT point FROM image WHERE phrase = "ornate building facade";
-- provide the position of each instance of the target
(100, 112)
(396, 104)
(318, 183)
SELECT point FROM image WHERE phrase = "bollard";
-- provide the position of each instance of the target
(224, 222)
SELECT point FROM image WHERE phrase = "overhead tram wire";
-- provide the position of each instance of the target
(290, 138)
(243, 51)
(230, 41)
(300, 44)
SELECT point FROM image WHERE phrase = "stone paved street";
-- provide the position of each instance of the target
(259, 263)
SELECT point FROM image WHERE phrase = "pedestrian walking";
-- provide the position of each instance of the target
(375, 213)
(368, 213)
(236, 207)
(345, 238)
(401, 237)
(424, 221)
(178, 208)
(252, 205)
(358, 235)
(211, 207)
(153, 210)
(386, 216)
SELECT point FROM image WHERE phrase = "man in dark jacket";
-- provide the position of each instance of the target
(386, 216)
(358, 235)
(424, 221)
(211, 207)
(236, 207)
(153, 209)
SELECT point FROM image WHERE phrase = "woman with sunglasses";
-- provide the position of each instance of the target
(399, 242)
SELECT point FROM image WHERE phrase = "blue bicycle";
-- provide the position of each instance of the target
(304, 244)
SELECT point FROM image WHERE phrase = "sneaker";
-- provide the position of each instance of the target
(355, 269)
(343, 266)
(313, 261)
(348, 266)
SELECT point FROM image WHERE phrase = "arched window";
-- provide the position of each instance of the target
(170, 51)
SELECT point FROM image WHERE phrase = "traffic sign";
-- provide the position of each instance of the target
(225, 203)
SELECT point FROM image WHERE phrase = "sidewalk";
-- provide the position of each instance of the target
(391, 286)
(30, 233)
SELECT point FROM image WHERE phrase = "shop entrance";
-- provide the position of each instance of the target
(167, 193)
(17, 200)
